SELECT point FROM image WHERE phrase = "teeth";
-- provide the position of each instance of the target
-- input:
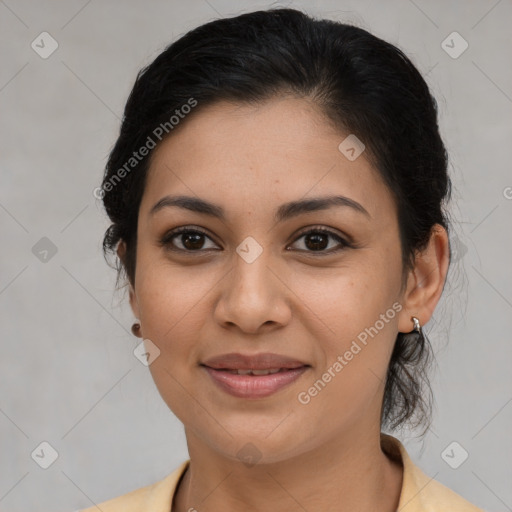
(265, 372)
(255, 372)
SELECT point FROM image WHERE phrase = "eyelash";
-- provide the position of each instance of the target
(166, 240)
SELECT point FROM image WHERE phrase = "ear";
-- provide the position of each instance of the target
(121, 252)
(425, 282)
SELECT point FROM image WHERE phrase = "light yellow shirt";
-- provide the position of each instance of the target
(419, 493)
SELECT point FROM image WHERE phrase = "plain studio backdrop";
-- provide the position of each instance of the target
(68, 375)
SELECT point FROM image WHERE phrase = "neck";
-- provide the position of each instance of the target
(350, 471)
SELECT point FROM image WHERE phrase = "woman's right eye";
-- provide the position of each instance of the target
(190, 239)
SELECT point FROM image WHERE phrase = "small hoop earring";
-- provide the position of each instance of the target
(136, 329)
(417, 326)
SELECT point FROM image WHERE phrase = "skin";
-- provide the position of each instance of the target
(306, 304)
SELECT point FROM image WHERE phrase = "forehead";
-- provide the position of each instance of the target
(280, 150)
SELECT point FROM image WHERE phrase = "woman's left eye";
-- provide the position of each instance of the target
(193, 240)
(317, 240)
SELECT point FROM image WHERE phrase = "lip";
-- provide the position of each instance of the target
(254, 386)
(262, 361)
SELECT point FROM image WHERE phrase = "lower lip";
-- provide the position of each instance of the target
(254, 386)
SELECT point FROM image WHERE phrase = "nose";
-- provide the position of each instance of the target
(254, 297)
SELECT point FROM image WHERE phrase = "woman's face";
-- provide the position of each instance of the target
(257, 282)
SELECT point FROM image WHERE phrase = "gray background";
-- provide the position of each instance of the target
(68, 375)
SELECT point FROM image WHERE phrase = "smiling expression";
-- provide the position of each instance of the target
(286, 247)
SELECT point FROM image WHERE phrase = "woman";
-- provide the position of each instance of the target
(277, 197)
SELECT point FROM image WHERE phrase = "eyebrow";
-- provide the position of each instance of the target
(284, 212)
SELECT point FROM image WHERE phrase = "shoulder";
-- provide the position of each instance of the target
(437, 497)
(421, 493)
(156, 497)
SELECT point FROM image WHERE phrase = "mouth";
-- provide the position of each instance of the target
(254, 383)
(254, 372)
(253, 375)
(253, 362)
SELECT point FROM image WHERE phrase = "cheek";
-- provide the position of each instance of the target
(172, 305)
(360, 316)
(345, 300)
(170, 295)
(354, 374)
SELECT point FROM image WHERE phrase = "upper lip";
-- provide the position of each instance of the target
(263, 361)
